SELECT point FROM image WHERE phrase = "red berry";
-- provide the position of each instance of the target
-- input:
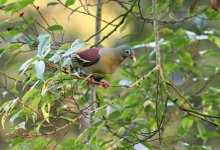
(21, 14)
(105, 84)
(91, 81)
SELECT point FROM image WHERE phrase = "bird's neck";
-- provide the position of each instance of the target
(110, 54)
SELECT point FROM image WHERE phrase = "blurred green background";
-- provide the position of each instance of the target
(78, 25)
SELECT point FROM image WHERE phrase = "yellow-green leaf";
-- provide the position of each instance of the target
(46, 111)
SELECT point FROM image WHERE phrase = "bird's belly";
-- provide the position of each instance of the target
(102, 69)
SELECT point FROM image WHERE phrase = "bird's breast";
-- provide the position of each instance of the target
(106, 65)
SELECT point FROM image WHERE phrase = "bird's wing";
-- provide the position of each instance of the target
(87, 57)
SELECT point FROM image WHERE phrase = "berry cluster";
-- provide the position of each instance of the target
(93, 81)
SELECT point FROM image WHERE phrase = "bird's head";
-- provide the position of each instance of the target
(126, 51)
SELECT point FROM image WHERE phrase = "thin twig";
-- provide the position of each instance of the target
(140, 80)
(86, 13)
(117, 26)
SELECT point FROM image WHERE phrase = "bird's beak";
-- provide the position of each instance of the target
(133, 58)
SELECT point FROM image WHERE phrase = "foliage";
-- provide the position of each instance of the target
(49, 104)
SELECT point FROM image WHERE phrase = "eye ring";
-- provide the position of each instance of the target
(127, 52)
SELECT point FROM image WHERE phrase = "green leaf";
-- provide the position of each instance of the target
(12, 119)
(73, 144)
(187, 122)
(6, 110)
(39, 143)
(126, 112)
(97, 131)
(125, 24)
(65, 46)
(34, 105)
(194, 70)
(28, 39)
(55, 27)
(214, 54)
(12, 47)
(138, 119)
(215, 40)
(114, 115)
(69, 2)
(16, 141)
(179, 38)
(10, 105)
(46, 111)
(37, 129)
(181, 130)
(21, 126)
(67, 62)
(55, 58)
(11, 59)
(13, 38)
(77, 44)
(25, 65)
(121, 131)
(52, 4)
(3, 106)
(10, 6)
(100, 113)
(73, 121)
(4, 117)
(3, 1)
(178, 3)
(201, 131)
(131, 101)
(171, 67)
(115, 107)
(216, 90)
(185, 57)
(48, 85)
(212, 134)
(39, 69)
(4, 22)
(29, 94)
(84, 134)
(45, 41)
(24, 3)
(74, 10)
(172, 16)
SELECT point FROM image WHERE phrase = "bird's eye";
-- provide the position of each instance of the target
(127, 52)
